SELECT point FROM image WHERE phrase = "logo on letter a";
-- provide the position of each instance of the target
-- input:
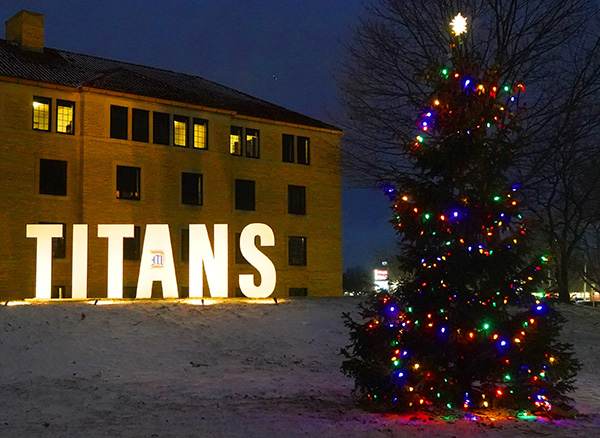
(157, 259)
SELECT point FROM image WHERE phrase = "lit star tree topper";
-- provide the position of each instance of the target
(459, 25)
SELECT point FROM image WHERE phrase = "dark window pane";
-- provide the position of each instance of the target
(131, 246)
(65, 114)
(118, 122)
(59, 244)
(297, 251)
(185, 245)
(303, 150)
(252, 143)
(244, 194)
(235, 140)
(162, 131)
(41, 113)
(298, 292)
(53, 177)
(296, 199)
(128, 182)
(191, 188)
(180, 131)
(287, 148)
(140, 125)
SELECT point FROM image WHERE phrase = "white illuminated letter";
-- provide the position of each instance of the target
(257, 259)
(80, 260)
(201, 256)
(115, 234)
(157, 263)
(43, 268)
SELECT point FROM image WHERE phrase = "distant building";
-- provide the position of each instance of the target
(86, 140)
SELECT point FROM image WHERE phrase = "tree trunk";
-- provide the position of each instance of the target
(562, 279)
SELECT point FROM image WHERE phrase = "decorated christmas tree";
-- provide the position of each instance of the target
(471, 327)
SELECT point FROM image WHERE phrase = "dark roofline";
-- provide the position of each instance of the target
(167, 87)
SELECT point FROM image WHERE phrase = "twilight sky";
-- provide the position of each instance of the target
(283, 51)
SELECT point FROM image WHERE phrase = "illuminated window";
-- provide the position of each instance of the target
(235, 140)
(200, 134)
(303, 150)
(297, 251)
(252, 143)
(191, 188)
(53, 177)
(180, 130)
(298, 292)
(287, 148)
(131, 245)
(118, 122)
(140, 125)
(244, 194)
(41, 113)
(65, 112)
(161, 131)
(297, 200)
(185, 245)
(128, 182)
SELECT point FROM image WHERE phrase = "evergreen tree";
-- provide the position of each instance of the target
(471, 327)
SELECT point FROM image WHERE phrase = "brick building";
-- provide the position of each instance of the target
(87, 140)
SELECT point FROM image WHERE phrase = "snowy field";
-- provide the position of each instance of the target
(230, 369)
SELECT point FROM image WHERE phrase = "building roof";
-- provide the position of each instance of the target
(75, 70)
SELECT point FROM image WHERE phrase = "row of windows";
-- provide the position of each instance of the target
(132, 247)
(242, 141)
(167, 129)
(42, 115)
(163, 125)
(53, 181)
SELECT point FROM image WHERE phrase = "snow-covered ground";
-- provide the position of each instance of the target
(230, 369)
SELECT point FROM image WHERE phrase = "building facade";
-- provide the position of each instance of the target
(86, 140)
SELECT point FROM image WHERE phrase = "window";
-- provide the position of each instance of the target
(252, 143)
(53, 177)
(161, 132)
(287, 148)
(191, 188)
(118, 122)
(41, 113)
(180, 130)
(298, 292)
(296, 199)
(239, 258)
(128, 182)
(140, 125)
(303, 150)
(65, 112)
(244, 194)
(235, 140)
(297, 251)
(59, 244)
(131, 246)
(185, 244)
(200, 134)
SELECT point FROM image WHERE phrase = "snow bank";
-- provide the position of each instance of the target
(230, 369)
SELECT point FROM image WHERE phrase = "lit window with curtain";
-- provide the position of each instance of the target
(64, 117)
(41, 113)
(200, 134)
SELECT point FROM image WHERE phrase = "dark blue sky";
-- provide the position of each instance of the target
(244, 44)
